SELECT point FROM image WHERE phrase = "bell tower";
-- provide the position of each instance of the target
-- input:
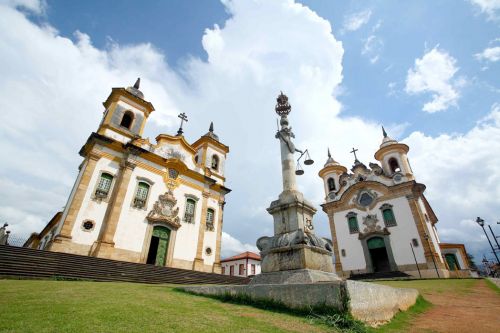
(331, 173)
(125, 114)
(392, 156)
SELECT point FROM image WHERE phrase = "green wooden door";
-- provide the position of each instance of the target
(163, 235)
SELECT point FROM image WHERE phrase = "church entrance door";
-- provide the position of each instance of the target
(157, 254)
(378, 254)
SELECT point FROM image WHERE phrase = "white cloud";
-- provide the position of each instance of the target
(372, 48)
(491, 54)
(433, 73)
(51, 88)
(231, 246)
(488, 7)
(356, 20)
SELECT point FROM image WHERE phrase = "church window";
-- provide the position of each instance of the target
(88, 225)
(215, 162)
(394, 165)
(352, 222)
(127, 119)
(172, 173)
(141, 195)
(331, 184)
(388, 214)
(241, 270)
(189, 213)
(210, 220)
(365, 199)
(104, 185)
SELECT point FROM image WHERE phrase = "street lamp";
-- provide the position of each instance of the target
(480, 221)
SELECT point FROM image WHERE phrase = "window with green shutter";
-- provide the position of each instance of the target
(189, 212)
(352, 222)
(388, 215)
(104, 185)
(141, 195)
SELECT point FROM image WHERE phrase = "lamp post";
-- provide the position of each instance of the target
(494, 237)
(480, 221)
(432, 254)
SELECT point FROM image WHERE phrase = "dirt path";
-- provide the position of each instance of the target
(476, 310)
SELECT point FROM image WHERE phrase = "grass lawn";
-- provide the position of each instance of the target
(74, 306)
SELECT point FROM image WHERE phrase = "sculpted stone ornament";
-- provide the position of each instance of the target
(164, 212)
(370, 221)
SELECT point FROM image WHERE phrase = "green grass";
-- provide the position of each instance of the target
(402, 320)
(74, 306)
(492, 286)
(463, 286)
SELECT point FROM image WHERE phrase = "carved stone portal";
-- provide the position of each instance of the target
(164, 211)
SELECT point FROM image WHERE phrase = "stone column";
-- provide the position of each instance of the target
(217, 266)
(287, 159)
(105, 241)
(198, 264)
(429, 250)
(338, 264)
(75, 204)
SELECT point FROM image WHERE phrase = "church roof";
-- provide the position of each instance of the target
(244, 255)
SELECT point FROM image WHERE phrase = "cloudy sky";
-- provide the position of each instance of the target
(429, 71)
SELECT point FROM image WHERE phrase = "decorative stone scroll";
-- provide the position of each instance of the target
(164, 212)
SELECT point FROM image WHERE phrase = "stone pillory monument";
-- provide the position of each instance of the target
(294, 254)
(297, 266)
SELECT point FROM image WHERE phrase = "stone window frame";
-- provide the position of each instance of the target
(215, 158)
(349, 216)
(388, 223)
(330, 189)
(212, 228)
(140, 179)
(111, 187)
(195, 199)
(83, 227)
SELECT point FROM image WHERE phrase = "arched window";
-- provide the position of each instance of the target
(141, 194)
(331, 184)
(352, 222)
(388, 215)
(127, 119)
(215, 162)
(210, 219)
(394, 165)
(104, 185)
(189, 212)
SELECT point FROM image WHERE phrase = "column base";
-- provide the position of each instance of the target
(198, 265)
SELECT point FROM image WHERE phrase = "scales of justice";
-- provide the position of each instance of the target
(294, 254)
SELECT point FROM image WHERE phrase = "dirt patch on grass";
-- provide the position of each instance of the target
(474, 311)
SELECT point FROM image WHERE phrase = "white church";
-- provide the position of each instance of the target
(133, 200)
(380, 220)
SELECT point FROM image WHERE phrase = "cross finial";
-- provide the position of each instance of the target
(183, 119)
(211, 128)
(384, 132)
(354, 152)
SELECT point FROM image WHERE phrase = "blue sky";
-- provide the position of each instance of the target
(427, 70)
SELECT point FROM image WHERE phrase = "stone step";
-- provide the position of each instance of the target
(24, 262)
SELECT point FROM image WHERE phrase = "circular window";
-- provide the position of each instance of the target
(208, 251)
(365, 199)
(88, 225)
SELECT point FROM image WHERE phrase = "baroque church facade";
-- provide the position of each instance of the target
(379, 217)
(158, 203)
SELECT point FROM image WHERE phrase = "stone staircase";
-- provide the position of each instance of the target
(379, 275)
(30, 263)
